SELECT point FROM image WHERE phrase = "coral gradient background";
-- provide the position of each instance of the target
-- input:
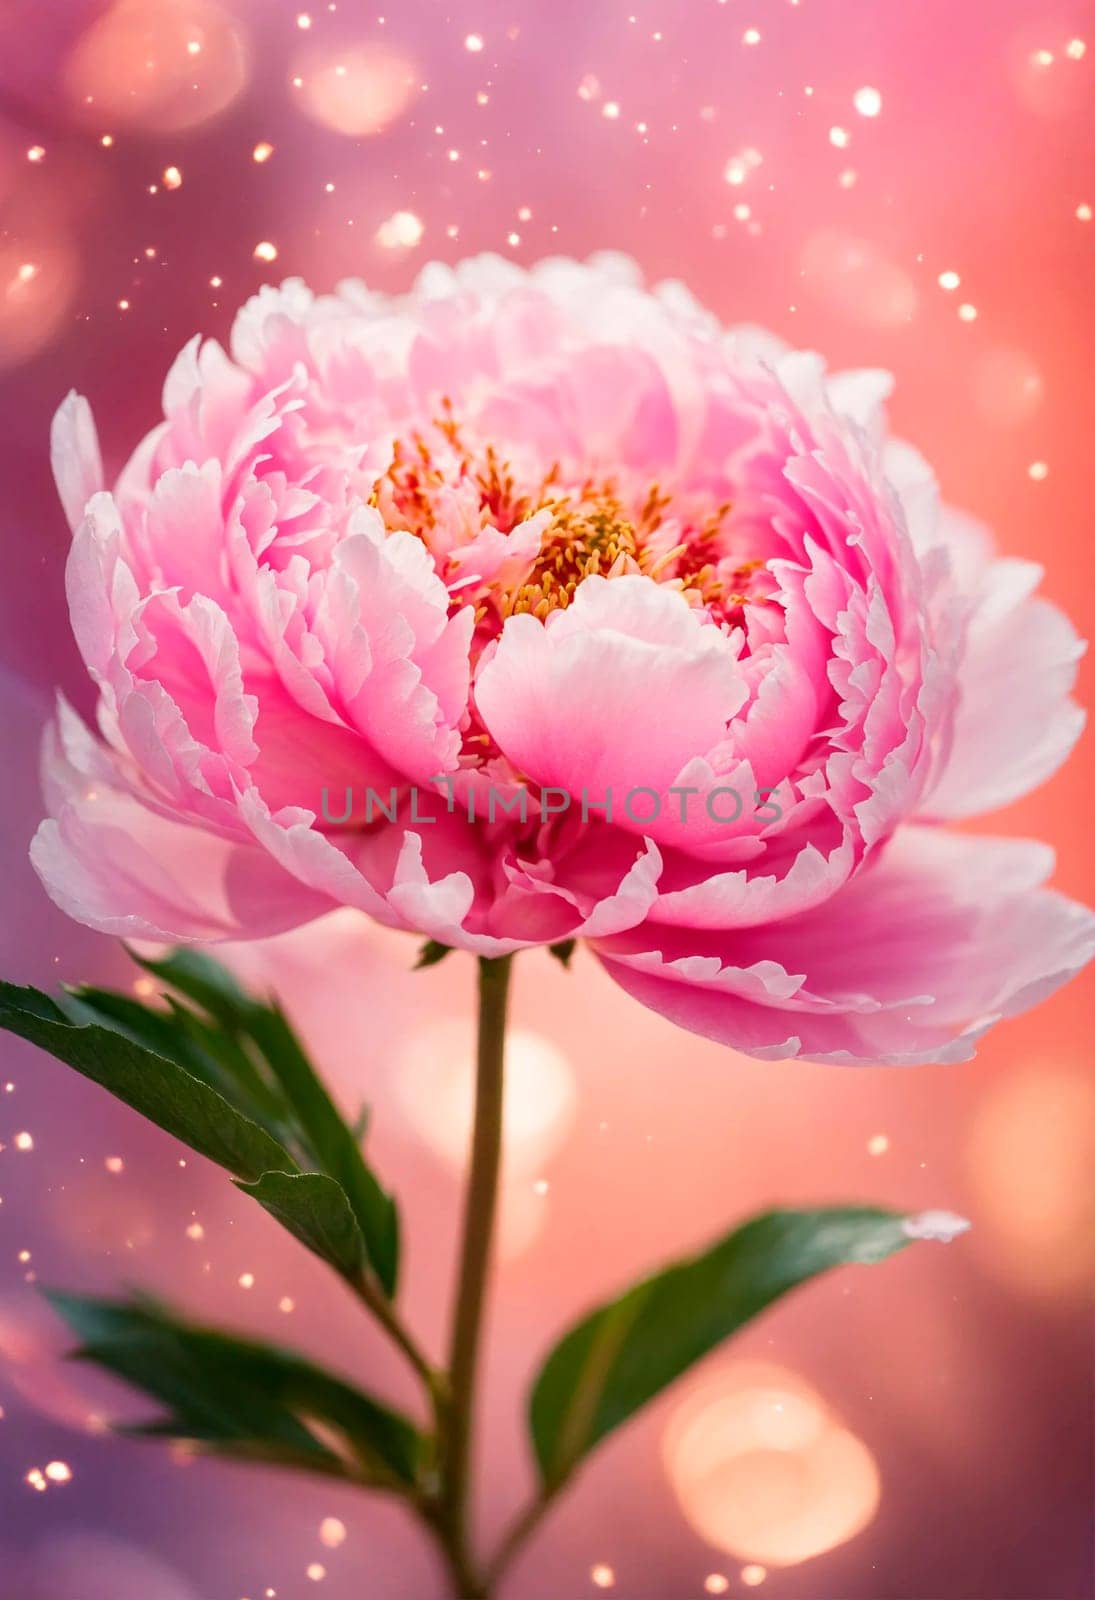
(131, 205)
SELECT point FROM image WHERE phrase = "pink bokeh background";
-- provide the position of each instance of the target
(723, 144)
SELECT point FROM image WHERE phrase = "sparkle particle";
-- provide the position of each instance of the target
(332, 1532)
(1039, 471)
(753, 1575)
(23, 1141)
(949, 280)
(840, 137)
(474, 43)
(401, 231)
(602, 1576)
(878, 1144)
(262, 151)
(265, 251)
(867, 101)
(967, 313)
(172, 178)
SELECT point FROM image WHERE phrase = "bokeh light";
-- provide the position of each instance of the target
(157, 64)
(1008, 388)
(435, 1087)
(764, 1471)
(1031, 1156)
(855, 278)
(355, 91)
(39, 277)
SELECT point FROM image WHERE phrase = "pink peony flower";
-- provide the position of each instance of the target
(534, 606)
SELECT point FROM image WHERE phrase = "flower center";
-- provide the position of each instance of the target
(449, 492)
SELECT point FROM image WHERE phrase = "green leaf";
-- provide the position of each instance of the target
(329, 1141)
(153, 1084)
(630, 1349)
(242, 1398)
(287, 1095)
(431, 953)
(315, 1209)
(192, 973)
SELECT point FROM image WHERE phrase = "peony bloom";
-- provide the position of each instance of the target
(535, 606)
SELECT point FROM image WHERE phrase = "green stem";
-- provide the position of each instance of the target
(479, 1213)
(521, 1530)
(385, 1313)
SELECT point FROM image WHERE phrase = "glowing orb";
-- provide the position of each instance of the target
(764, 1471)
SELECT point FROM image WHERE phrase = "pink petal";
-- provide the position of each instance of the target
(911, 962)
(74, 456)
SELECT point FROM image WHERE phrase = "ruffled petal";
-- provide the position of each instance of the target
(911, 962)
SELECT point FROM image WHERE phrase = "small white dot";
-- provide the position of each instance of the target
(867, 101)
